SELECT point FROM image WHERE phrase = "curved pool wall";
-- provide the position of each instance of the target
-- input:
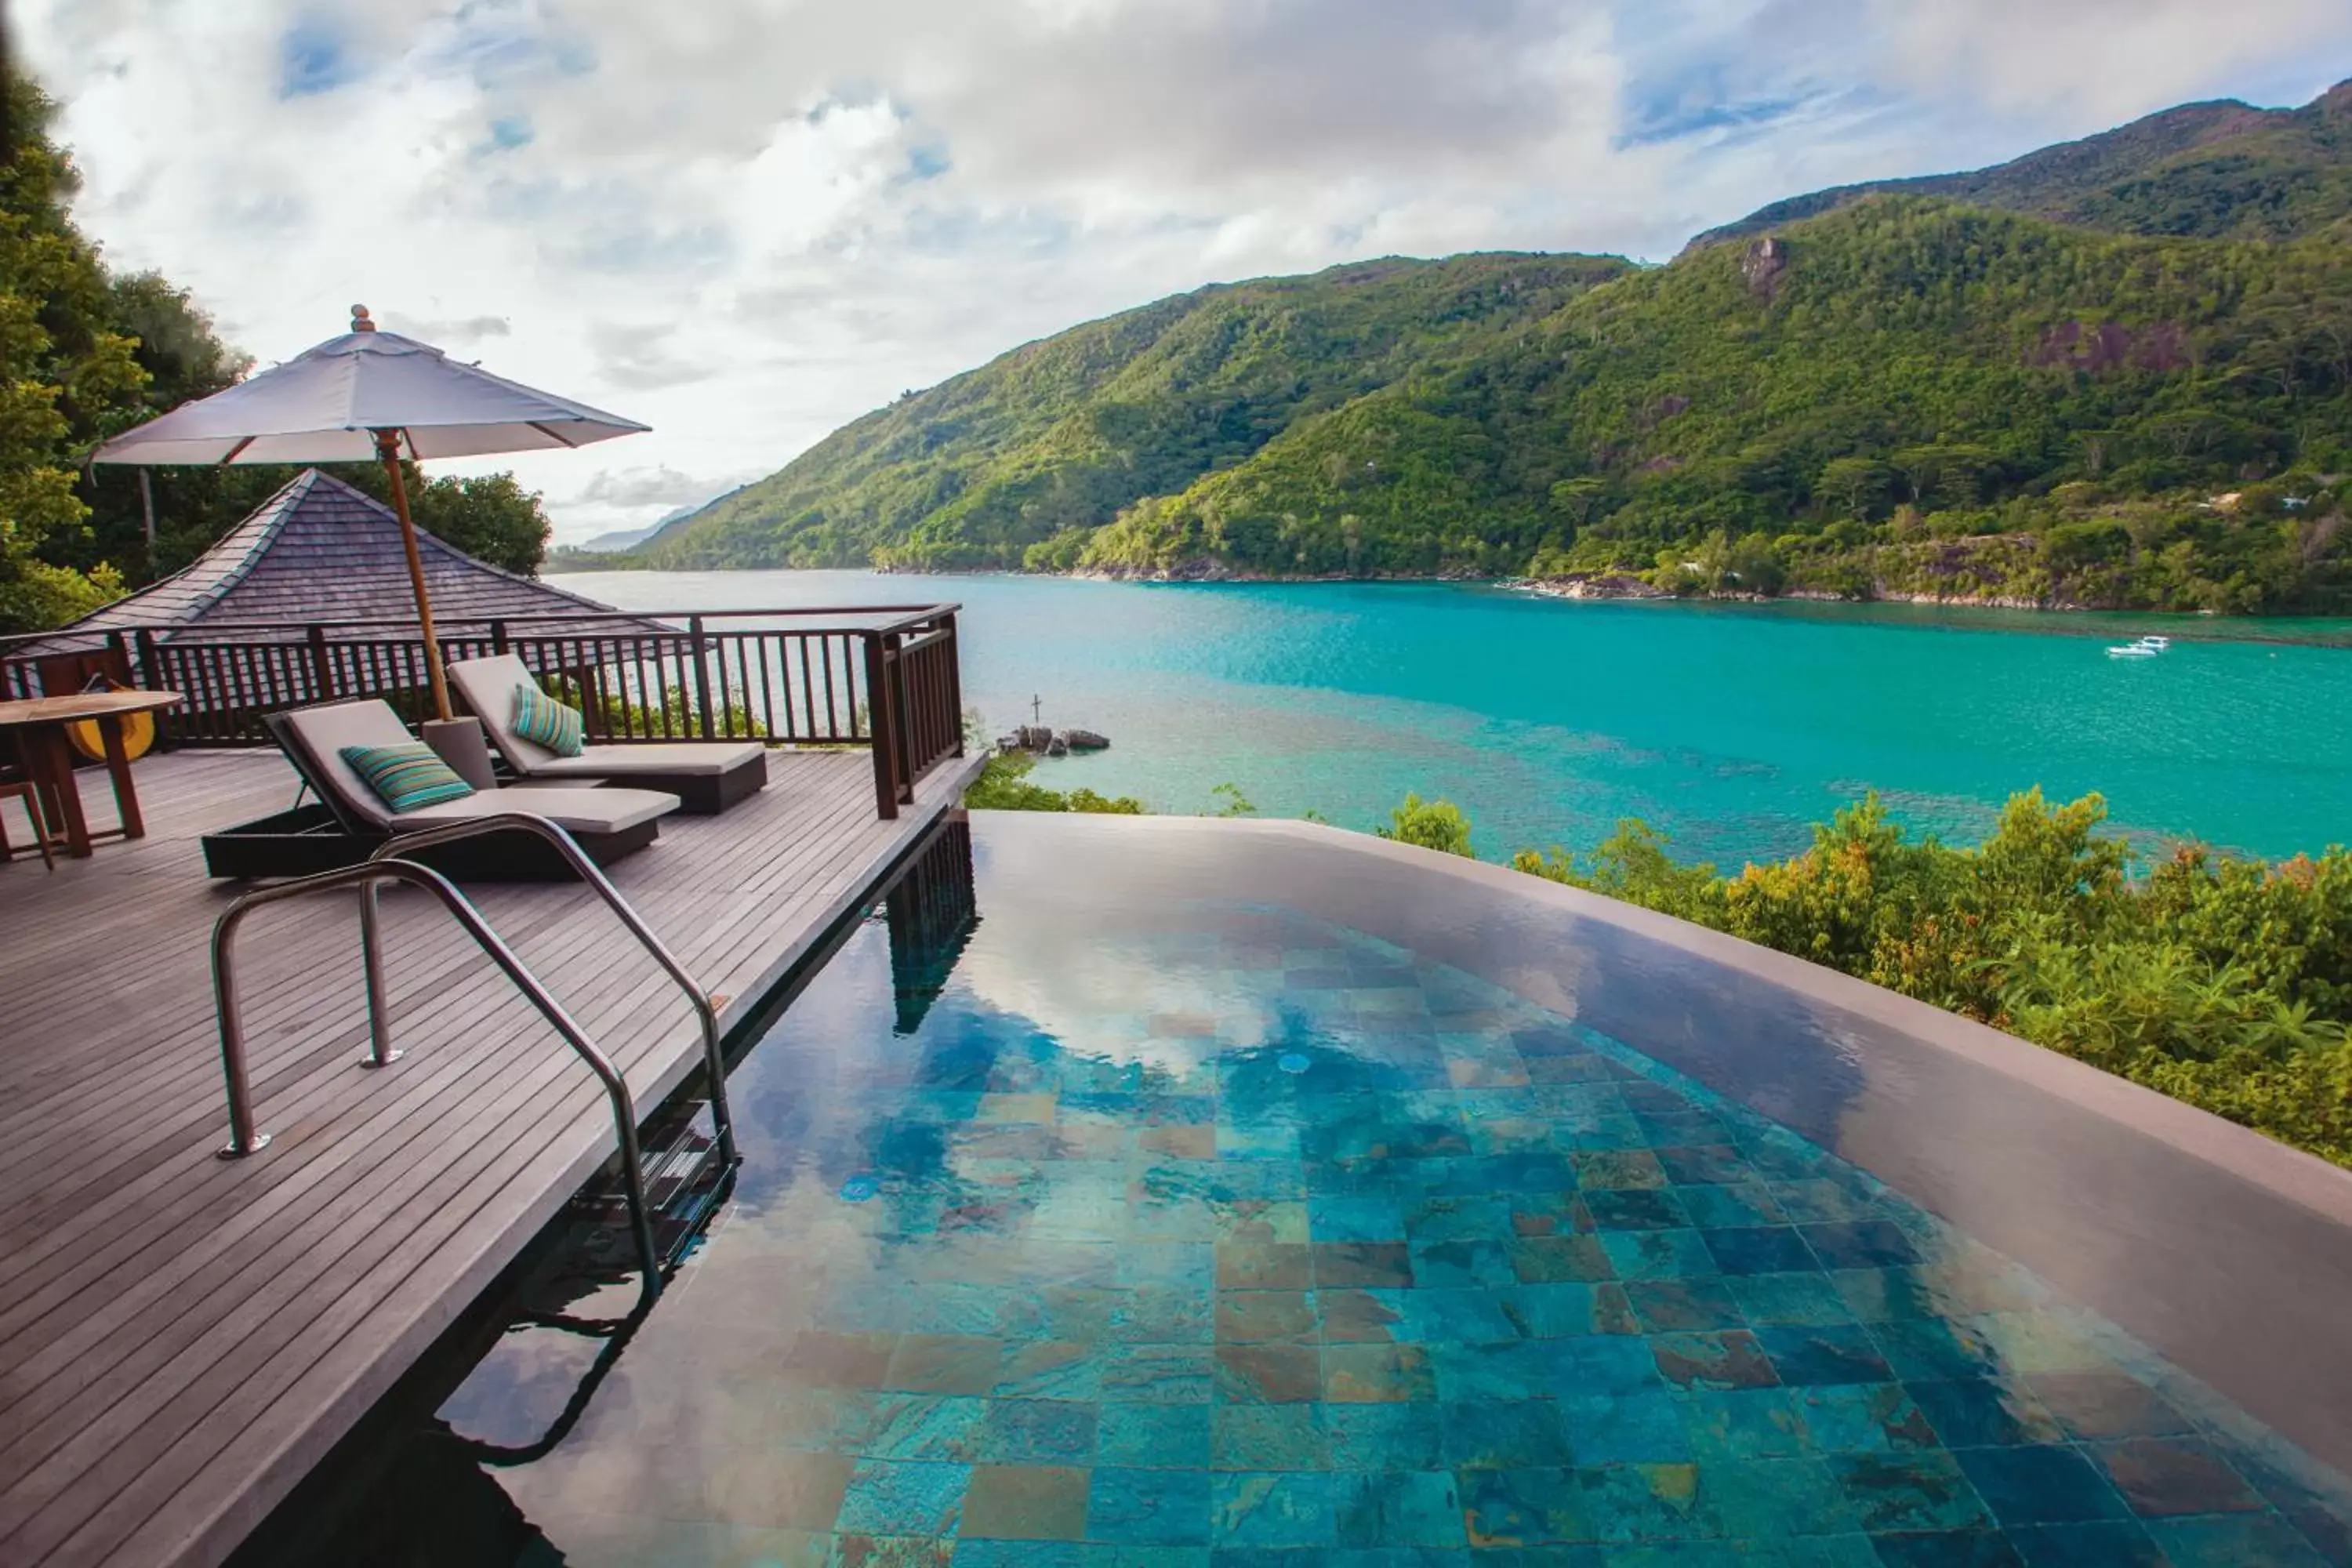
(2227, 1253)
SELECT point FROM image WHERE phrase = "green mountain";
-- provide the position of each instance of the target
(1895, 394)
(1061, 435)
(2215, 171)
(1900, 395)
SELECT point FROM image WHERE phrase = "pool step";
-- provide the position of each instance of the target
(686, 1180)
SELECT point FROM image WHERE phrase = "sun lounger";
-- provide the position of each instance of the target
(708, 776)
(350, 821)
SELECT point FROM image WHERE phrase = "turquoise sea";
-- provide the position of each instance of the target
(1731, 727)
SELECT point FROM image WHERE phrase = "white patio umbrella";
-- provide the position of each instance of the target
(369, 393)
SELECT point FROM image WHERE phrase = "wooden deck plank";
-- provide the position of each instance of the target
(179, 1337)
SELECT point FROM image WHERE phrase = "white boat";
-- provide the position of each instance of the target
(2139, 647)
(2156, 644)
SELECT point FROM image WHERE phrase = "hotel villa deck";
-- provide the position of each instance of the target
(186, 1336)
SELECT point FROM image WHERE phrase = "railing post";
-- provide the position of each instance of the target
(882, 721)
(701, 680)
(955, 679)
(148, 673)
(322, 664)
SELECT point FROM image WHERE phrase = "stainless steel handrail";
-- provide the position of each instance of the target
(714, 1061)
(244, 1141)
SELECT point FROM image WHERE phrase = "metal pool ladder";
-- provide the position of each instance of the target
(387, 865)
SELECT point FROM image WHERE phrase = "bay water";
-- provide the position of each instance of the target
(1731, 728)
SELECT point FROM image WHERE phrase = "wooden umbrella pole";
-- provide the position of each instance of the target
(387, 445)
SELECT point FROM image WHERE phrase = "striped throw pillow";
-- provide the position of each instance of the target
(408, 775)
(541, 718)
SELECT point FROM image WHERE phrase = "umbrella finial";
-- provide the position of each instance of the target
(359, 322)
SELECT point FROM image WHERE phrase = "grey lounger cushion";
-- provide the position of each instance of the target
(324, 731)
(487, 686)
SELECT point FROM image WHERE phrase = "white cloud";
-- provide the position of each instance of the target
(745, 222)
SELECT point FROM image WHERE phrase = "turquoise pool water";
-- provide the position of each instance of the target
(1734, 727)
(1168, 1230)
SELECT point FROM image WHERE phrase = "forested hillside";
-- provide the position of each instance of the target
(1061, 434)
(2026, 409)
(2209, 170)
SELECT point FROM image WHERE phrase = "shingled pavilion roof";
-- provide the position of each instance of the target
(320, 550)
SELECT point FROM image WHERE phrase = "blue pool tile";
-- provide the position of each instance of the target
(888, 1497)
(1777, 1499)
(1657, 1253)
(1636, 1208)
(1946, 1549)
(1721, 1359)
(2238, 1540)
(1149, 1507)
(1549, 1311)
(1518, 1508)
(2108, 1546)
(1382, 1437)
(1624, 1429)
(1156, 1375)
(1984, 1413)
(1862, 1418)
(1463, 1316)
(1037, 1431)
(971, 1553)
(1935, 1347)
(1643, 1503)
(1397, 1508)
(1503, 1435)
(923, 1426)
(1483, 1265)
(1860, 1244)
(1668, 1306)
(1489, 1371)
(1827, 1354)
(2042, 1484)
(1599, 1364)
(1759, 1250)
(1139, 1436)
(1789, 1299)
(1705, 1164)
(1271, 1508)
(1269, 1437)
(1354, 1217)
(1744, 1423)
(1270, 1373)
(1266, 1317)
(1906, 1493)
(1743, 1207)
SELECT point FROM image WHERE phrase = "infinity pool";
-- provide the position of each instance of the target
(1169, 1226)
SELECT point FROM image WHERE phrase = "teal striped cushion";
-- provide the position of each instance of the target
(408, 775)
(541, 718)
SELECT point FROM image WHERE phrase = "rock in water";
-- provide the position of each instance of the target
(1084, 741)
(1058, 747)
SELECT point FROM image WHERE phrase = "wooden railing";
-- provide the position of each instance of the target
(883, 677)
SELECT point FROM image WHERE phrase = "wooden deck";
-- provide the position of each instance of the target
(181, 1337)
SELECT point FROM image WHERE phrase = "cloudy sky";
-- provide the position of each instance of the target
(745, 222)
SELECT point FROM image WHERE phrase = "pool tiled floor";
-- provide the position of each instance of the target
(1327, 1256)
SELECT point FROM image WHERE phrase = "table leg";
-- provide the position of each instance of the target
(118, 766)
(52, 761)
